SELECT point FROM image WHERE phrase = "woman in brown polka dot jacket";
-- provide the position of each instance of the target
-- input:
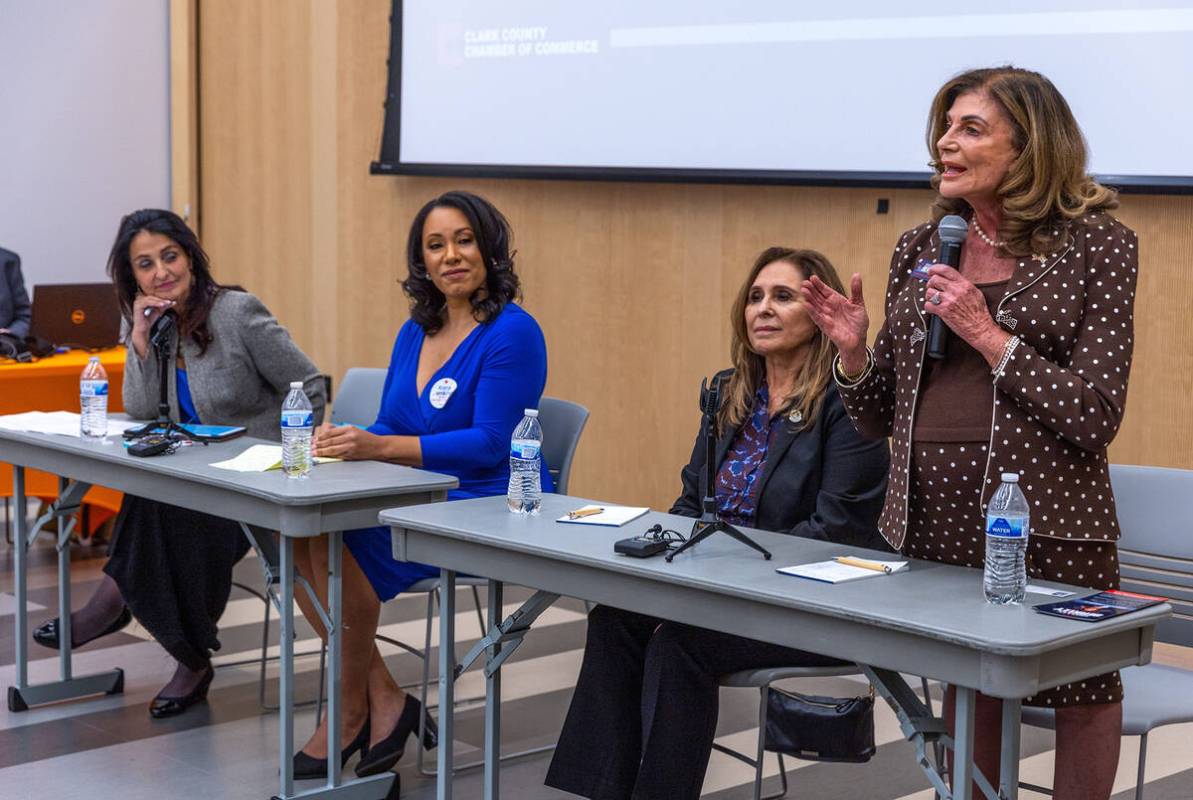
(1034, 378)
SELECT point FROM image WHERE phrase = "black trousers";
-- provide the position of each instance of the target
(644, 714)
(174, 569)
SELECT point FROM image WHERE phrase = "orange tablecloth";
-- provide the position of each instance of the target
(52, 384)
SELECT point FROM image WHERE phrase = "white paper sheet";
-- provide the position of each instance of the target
(63, 423)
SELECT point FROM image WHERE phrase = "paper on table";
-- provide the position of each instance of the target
(836, 572)
(63, 423)
(612, 516)
(261, 458)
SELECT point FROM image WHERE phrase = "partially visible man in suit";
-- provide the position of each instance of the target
(15, 311)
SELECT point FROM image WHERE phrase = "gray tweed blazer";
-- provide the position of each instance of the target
(241, 379)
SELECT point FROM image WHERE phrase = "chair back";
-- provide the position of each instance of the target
(562, 422)
(359, 398)
(1155, 506)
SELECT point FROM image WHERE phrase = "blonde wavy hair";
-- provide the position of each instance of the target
(749, 368)
(1047, 184)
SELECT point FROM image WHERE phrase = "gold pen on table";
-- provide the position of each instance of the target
(584, 512)
(858, 562)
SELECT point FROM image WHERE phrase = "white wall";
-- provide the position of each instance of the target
(84, 128)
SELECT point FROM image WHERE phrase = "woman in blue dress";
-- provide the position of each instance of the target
(464, 368)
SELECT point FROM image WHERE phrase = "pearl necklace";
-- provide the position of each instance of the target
(982, 235)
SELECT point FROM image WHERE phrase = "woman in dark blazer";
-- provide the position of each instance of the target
(15, 310)
(644, 713)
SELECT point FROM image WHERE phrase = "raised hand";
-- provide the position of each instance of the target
(842, 319)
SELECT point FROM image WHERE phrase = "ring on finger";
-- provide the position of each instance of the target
(936, 298)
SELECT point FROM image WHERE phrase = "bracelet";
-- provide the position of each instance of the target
(853, 380)
(1007, 350)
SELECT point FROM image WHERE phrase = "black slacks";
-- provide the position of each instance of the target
(644, 714)
(174, 570)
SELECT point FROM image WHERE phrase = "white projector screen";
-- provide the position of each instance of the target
(769, 91)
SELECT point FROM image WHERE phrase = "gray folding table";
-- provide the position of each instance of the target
(931, 620)
(334, 498)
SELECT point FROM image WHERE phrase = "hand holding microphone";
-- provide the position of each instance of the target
(952, 231)
(954, 303)
(147, 312)
(147, 308)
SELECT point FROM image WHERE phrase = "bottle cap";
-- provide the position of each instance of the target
(1010, 477)
(295, 384)
(530, 412)
(93, 358)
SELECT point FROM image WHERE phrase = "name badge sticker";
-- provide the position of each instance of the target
(920, 271)
(441, 391)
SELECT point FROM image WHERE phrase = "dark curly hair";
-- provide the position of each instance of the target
(204, 289)
(495, 240)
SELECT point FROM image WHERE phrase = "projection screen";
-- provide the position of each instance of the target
(767, 91)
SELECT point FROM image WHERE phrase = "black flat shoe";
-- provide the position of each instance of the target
(307, 767)
(387, 752)
(163, 707)
(46, 634)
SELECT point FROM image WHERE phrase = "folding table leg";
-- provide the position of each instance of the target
(493, 700)
(447, 682)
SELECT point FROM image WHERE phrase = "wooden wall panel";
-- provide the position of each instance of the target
(631, 283)
(255, 151)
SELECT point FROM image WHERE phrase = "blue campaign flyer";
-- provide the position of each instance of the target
(1100, 606)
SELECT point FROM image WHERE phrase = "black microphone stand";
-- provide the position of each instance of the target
(159, 338)
(709, 523)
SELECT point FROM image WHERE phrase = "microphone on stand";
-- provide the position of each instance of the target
(953, 230)
(160, 331)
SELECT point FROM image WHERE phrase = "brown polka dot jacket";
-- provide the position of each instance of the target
(1059, 399)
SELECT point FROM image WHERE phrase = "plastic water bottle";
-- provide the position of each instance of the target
(525, 491)
(298, 421)
(1007, 528)
(93, 400)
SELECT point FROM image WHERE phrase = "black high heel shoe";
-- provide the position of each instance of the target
(46, 634)
(307, 767)
(162, 707)
(387, 752)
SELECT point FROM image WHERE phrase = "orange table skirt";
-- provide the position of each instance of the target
(52, 384)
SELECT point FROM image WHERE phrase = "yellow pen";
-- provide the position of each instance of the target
(859, 562)
(584, 512)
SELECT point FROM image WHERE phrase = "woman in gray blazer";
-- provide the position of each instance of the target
(232, 363)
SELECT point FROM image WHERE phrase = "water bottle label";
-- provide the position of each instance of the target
(297, 419)
(524, 450)
(1006, 528)
(93, 388)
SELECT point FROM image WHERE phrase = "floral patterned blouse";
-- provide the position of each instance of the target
(740, 472)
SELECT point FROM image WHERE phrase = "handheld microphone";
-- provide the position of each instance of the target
(953, 230)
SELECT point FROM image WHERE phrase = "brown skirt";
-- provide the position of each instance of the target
(945, 523)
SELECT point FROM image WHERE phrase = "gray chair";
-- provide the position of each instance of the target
(359, 398)
(1155, 557)
(562, 422)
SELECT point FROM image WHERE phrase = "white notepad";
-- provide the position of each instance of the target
(836, 572)
(612, 516)
(261, 458)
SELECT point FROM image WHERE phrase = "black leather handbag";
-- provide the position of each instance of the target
(820, 728)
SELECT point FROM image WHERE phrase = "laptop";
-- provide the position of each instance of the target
(77, 315)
